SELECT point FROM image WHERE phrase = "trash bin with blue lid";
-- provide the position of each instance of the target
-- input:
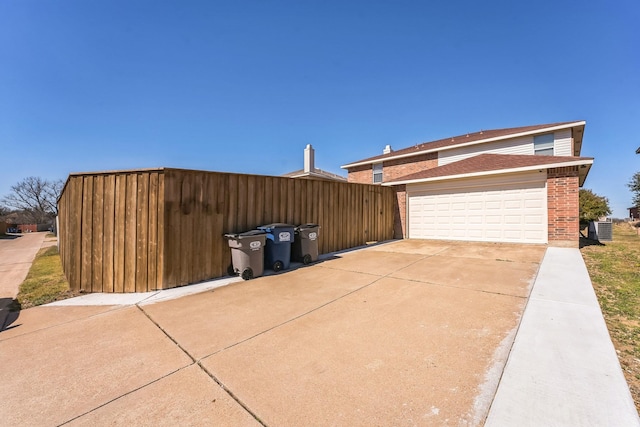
(305, 245)
(277, 253)
(247, 253)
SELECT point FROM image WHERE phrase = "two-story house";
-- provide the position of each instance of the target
(517, 185)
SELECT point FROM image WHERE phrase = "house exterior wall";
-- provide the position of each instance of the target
(522, 145)
(400, 219)
(360, 174)
(28, 228)
(563, 143)
(563, 146)
(563, 207)
(393, 169)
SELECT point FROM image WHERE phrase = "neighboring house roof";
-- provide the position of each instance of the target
(316, 173)
(311, 171)
(477, 138)
(491, 164)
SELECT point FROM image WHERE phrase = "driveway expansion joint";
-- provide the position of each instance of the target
(123, 395)
(231, 394)
(193, 359)
(199, 364)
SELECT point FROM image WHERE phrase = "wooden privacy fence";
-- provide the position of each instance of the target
(137, 231)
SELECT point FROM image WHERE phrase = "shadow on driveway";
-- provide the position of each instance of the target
(9, 312)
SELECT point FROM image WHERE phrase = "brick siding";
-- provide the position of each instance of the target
(361, 174)
(392, 169)
(400, 217)
(563, 207)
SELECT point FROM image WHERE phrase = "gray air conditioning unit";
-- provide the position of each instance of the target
(601, 231)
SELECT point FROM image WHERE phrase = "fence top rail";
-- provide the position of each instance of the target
(163, 169)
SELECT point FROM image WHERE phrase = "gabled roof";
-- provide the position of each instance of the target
(492, 164)
(316, 173)
(477, 138)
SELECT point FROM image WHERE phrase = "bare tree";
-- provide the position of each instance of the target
(35, 196)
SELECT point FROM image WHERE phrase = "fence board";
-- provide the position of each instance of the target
(160, 208)
(142, 232)
(243, 196)
(108, 217)
(232, 204)
(120, 217)
(187, 202)
(251, 203)
(172, 229)
(268, 200)
(130, 238)
(281, 215)
(77, 201)
(152, 248)
(86, 273)
(222, 226)
(98, 233)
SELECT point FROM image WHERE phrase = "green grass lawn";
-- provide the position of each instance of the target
(45, 282)
(614, 268)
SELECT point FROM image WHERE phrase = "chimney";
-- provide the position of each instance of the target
(387, 149)
(309, 159)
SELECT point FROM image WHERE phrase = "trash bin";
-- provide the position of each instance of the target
(305, 245)
(277, 253)
(247, 253)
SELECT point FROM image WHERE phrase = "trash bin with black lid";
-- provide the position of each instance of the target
(277, 252)
(247, 253)
(305, 245)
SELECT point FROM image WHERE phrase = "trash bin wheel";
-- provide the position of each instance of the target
(277, 266)
(231, 271)
(306, 260)
(247, 274)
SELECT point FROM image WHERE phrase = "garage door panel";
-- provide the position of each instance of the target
(459, 219)
(475, 219)
(499, 211)
(477, 205)
(533, 204)
(493, 219)
(513, 234)
(513, 204)
(513, 220)
(474, 234)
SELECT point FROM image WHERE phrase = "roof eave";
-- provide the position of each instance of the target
(584, 162)
(581, 123)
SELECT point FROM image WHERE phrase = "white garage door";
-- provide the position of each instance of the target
(508, 208)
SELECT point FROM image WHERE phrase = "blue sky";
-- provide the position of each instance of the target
(243, 86)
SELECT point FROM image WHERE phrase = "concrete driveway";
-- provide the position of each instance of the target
(405, 333)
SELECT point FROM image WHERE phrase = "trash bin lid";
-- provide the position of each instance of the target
(306, 226)
(251, 233)
(269, 227)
